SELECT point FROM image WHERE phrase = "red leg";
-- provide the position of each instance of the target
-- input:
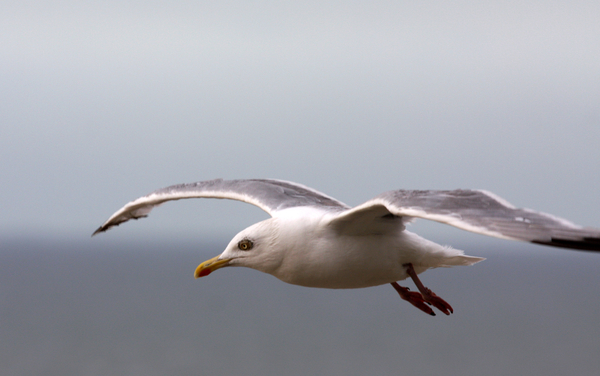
(428, 295)
(413, 298)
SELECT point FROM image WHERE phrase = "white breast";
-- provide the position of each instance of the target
(315, 255)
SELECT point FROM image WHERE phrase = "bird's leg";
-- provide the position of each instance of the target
(428, 295)
(413, 297)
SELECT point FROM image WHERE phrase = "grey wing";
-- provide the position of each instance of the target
(481, 212)
(269, 195)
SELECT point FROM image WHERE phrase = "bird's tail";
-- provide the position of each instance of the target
(459, 258)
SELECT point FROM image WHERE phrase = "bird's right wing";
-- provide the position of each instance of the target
(268, 194)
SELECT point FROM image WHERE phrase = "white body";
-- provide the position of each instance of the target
(315, 240)
(298, 246)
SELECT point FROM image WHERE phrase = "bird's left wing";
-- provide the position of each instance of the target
(268, 194)
(472, 210)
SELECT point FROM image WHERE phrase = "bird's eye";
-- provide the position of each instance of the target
(245, 245)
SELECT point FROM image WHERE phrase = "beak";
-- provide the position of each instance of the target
(210, 266)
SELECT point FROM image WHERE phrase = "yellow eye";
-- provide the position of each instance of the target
(245, 245)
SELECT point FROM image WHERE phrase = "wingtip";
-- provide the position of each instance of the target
(99, 230)
(591, 244)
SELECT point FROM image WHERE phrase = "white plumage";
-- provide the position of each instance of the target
(315, 240)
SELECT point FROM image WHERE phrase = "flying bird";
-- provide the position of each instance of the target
(314, 240)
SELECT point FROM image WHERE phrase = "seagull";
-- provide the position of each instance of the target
(314, 240)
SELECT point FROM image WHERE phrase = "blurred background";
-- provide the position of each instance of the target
(102, 102)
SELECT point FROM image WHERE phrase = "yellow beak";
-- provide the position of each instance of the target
(210, 266)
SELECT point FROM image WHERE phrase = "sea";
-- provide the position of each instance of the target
(84, 306)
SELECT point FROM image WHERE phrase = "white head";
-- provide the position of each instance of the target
(253, 247)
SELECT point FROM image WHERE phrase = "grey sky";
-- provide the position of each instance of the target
(103, 102)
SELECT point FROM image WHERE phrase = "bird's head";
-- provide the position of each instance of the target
(252, 248)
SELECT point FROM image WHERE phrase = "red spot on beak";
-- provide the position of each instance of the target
(204, 272)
